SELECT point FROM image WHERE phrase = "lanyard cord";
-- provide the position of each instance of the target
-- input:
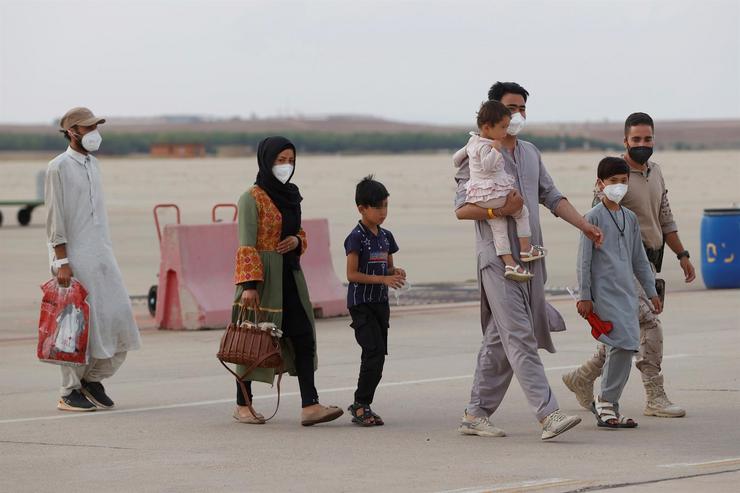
(624, 220)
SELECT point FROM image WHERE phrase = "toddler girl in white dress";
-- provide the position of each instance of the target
(489, 185)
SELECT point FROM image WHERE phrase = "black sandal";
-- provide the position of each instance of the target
(367, 418)
(378, 420)
(606, 417)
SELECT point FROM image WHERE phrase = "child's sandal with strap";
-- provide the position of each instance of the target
(366, 418)
(606, 416)
(517, 273)
(535, 252)
(625, 422)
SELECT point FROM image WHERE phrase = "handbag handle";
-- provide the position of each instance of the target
(244, 315)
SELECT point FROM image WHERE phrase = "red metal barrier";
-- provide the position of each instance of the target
(156, 217)
(196, 288)
(224, 206)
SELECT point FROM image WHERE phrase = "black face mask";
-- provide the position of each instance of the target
(640, 154)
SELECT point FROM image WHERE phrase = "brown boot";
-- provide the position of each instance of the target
(581, 382)
(658, 403)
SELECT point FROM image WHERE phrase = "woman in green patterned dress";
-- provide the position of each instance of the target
(269, 278)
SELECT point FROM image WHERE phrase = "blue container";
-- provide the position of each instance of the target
(720, 248)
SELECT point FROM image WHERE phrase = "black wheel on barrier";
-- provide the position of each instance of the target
(24, 216)
(151, 300)
(1, 218)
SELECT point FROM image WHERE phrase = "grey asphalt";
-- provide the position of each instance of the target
(172, 429)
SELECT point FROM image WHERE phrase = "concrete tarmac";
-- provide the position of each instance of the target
(172, 428)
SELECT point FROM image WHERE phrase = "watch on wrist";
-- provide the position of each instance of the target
(60, 262)
(683, 254)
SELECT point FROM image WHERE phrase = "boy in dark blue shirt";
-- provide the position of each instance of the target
(370, 272)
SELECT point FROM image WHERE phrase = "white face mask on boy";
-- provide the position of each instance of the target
(283, 172)
(615, 193)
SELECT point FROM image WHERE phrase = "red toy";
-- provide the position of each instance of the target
(598, 326)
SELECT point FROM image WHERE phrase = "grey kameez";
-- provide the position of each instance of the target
(606, 275)
(515, 318)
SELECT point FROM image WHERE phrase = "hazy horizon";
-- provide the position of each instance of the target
(419, 62)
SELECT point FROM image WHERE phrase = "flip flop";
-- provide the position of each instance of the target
(252, 420)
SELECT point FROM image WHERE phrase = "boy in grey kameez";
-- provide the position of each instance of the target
(605, 280)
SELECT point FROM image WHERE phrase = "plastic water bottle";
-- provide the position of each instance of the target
(397, 292)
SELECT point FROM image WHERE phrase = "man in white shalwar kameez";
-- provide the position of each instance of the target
(80, 247)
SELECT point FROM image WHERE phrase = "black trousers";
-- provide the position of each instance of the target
(298, 329)
(370, 322)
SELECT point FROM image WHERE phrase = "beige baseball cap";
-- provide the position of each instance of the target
(79, 116)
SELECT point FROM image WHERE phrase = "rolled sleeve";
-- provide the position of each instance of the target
(549, 195)
(56, 231)
(460, 194)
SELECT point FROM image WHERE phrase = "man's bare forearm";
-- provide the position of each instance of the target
(569, 214)
(472, 212)
(674, 242)
(60, 251)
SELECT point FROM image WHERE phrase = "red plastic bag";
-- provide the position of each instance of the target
(64, 324)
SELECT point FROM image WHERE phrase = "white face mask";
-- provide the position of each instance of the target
(615, 193)
(516, 124)
(91, 141)
(283, 172)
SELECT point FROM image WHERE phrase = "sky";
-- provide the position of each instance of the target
(413, 61)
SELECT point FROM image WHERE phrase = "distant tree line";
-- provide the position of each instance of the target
(140, 143)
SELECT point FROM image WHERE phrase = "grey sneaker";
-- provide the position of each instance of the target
(479, 426)
(557, 423)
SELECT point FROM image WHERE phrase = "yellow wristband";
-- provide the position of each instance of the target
(491, 215)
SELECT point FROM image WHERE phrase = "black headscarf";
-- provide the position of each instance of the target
(285, 196)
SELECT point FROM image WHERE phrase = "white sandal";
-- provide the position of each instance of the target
(517, 273)
(535, 252)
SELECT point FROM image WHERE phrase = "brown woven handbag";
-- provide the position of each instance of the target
(254, 344)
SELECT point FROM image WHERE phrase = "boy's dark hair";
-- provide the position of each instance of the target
(370, 193)
(498, 90)
(610, 166)
(492, 112)
(637, 119)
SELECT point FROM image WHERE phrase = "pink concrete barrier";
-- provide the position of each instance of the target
(328, 295)
(196, 286)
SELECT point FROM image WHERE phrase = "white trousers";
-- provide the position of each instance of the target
(95, 371)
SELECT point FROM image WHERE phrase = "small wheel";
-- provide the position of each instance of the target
(24, 216)
(1, 218)
(151, 300)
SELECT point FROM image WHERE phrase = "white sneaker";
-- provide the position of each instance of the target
(479, 426)
(557, 423)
